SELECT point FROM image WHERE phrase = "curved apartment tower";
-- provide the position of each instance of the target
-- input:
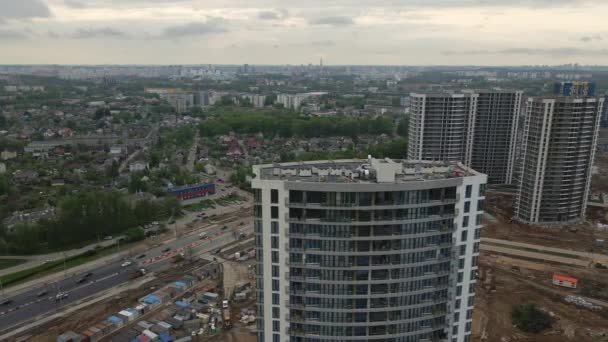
(559, 141)
(366, 250)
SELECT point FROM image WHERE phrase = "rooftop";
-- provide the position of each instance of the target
(363, 171)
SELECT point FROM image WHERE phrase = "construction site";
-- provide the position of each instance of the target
(524, 264)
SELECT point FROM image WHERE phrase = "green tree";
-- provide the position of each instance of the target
(112, 170)
(530, 319)
(136, 183)
(403, 126)
(134, 234)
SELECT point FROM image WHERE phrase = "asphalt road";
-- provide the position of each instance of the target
(28, 305)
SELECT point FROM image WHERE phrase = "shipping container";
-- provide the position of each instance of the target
(69, 336)
(157, 329)
(151, 335)
(144, 324)
(116, 321)
(181, 304)
(165, 325)
(164, 337)
(184, 339)
(97, 331)
(128, 314)
(176, 324)
(143, 338)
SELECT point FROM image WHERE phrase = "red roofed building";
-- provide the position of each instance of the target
(564, 281)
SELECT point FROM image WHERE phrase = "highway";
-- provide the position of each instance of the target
(28, 305)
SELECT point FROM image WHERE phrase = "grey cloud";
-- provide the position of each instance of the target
(16, 9)
(195, 29)
(359, 3)
(559, 52)
(11, 34)
(588, 39)
(75, 4)
(333, 21)
(316, 44)
(97, 32)
(273, 15)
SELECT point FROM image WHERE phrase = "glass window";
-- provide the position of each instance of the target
(274, 212)
(482, 189)
(467, 207)
(274, 196)
(276, 326)
(464, 235)
(469, 191)
(275, 299)
(274, 227)
(275, 271)
(275, 256)
(465, 221)
(274, 242)
(276, 312)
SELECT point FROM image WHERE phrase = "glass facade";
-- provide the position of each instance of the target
(370, 265)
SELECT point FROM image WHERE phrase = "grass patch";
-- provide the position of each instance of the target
(211, 204)
(6, 263)
(56, 266)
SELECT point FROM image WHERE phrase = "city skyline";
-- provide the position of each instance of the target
(297, 32)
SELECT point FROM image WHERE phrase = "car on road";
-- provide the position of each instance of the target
(6, 302)
(126, 263)
(141, 256)
(217, 251)
(109, 237)
(166, 249)
(224, 227)
(225, 304)
(88, 274)
(42, 293)
(81, 280)
(61, 295)
(202, 236)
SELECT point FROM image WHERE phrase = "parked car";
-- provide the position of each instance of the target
(42, 293)
(166, 249)
(126, 263)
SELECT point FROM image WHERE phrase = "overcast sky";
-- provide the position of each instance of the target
(401, 32)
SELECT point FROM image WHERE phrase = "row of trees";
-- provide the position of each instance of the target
(283, 124)
(85, 217)
(396, 149)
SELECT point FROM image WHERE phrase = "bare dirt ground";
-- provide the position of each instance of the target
(580, 237)
(508, 281)
(505, 282)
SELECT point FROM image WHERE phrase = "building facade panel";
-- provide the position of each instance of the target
(558, 148)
